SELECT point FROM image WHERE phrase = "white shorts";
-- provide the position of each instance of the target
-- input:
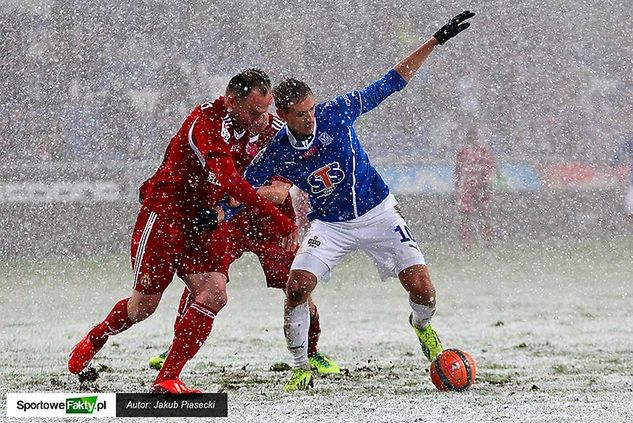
(381, 233)
(628, 200)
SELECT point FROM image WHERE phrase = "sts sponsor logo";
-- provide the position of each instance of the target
(324, 180)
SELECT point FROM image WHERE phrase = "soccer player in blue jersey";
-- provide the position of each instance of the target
(621, 153)
(351, 206)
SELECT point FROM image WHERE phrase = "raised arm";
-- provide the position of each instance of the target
(408, 66)
(353, 104)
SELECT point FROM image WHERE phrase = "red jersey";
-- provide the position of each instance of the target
(198, 170)
(244, 147)
(243, 150)
(474, 166)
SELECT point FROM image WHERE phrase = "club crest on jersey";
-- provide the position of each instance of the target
(145, 280)
(324, 180)
(326, 139)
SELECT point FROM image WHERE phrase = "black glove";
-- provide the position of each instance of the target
(207, 220)
(453, 27)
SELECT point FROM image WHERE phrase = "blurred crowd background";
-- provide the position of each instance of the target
(545, 81)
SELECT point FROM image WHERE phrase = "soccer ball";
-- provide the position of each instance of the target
(453, 370)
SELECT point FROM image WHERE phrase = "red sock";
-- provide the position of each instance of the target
(192, 331)
(186, 299)
(313, 332)
(115, 322)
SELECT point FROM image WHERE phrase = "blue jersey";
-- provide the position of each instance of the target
(626, 149)
(331, 167)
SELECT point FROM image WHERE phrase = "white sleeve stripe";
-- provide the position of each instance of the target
(360, 98)
(354, 204)
(192, 144)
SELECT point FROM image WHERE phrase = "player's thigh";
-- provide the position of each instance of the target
(275, 261)
(236, 243)
(484, 199)
(205, 252)
(391, 244)
(465, 201)
(156, 244)
(323, 247)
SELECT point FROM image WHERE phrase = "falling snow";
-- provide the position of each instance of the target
(93, 90)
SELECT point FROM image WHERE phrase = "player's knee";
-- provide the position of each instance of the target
(295, 293)
(214, 300)
(140, 307)
(297, 290)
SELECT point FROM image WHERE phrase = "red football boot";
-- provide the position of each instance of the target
(173, 386)
(81, 354)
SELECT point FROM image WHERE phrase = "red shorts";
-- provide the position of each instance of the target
(162, 247)
(475, 198)
(274, 259)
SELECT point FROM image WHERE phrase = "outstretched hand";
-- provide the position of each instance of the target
(291, 242)
(207, 220)
(453, 27)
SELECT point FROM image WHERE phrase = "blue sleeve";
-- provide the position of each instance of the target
(348, 107)
(374, 94)
(261, 168)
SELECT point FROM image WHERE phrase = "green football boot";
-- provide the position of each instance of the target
(300, 380)
(322, 364)
(157, 361)
(429, 340)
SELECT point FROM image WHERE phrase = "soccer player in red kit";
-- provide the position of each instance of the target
(173, 232)
(474, 170)
(245, 233)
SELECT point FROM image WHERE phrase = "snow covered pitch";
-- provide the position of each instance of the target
(549, 323)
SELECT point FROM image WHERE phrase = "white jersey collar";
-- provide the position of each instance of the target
(228, 125)
(303, 144)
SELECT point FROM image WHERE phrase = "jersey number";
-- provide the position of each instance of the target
(405, 233)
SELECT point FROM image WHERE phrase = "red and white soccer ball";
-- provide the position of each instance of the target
(453, 370)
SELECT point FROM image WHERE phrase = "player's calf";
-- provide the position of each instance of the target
(84, 351)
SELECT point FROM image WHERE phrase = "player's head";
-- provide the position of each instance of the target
(248, 96)
(295, 104)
